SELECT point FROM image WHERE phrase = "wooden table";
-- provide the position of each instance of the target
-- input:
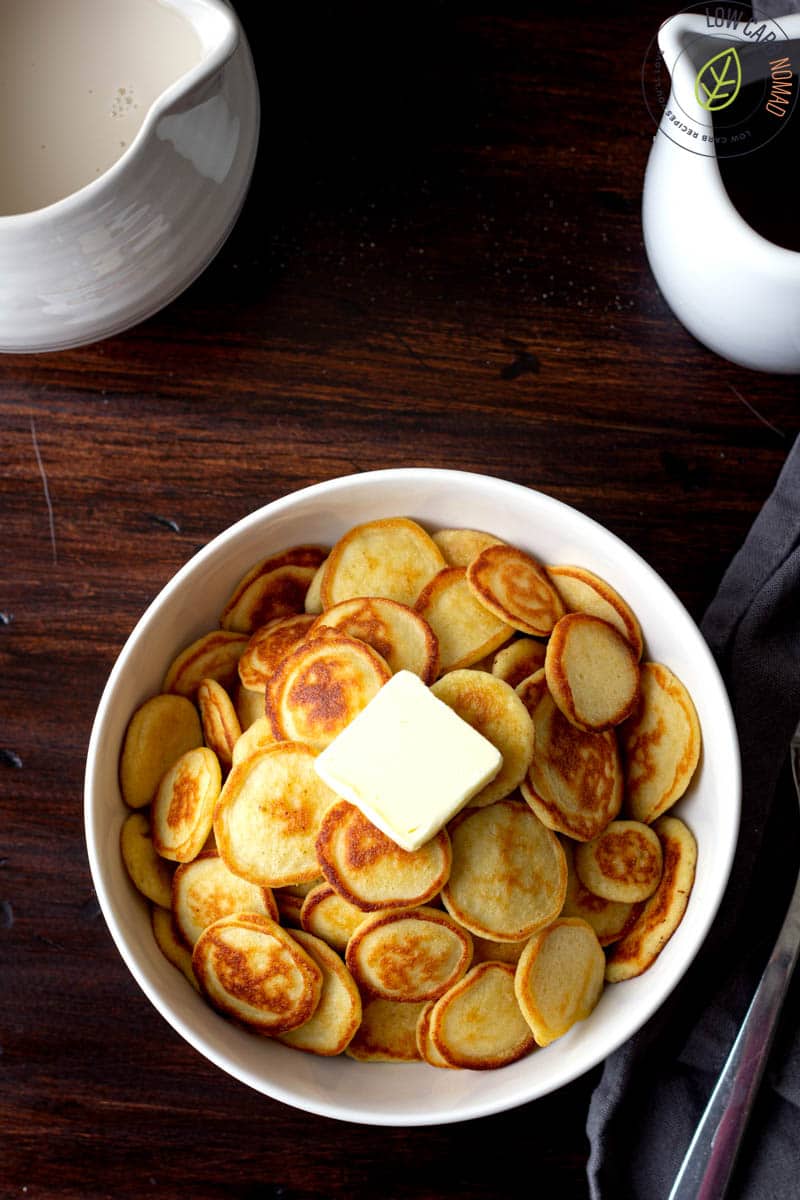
(440, 263)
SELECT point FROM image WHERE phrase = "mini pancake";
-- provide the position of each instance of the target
(559, 978)
(249, 706)
(158, 733)
(411, 955)
(150, 873)
(338, 1014)
(204, 890)
(254, 971)
(495, 710)
(663, 912)
(393, 557)
(321, 686)
(274, 587)
(257, 736)
(478, 1023)
(183, 809)
(329, 916)
(399, 634)
(661, 744)
(518, 660)
(485, 950)
(426, 1048)
(370, 870)
(221, 728)
(509, 874)
(460, 546)
(623, 863)
(582, 591)
(574, 782)
(608, 918)
(387, 1033)
(313, 600)
(592, 672)
(212, 656)
(269, 646)
(516, 589)
(465, 630)
(269, 814)
(170, 944)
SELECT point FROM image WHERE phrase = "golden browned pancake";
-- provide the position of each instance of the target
(370, 870)
(221, 728)
(582, 591)
(338, 1014)
(269, 646)
(493, 708)
(392, 557)
(516, 589)
(159, 732)
(518, 660)
(387, 1033)
(509, 875)
(269, 813)
(274, 587)
(478, 1022)
(574, 782)
(150, 873)
(426, 1048)
(313, 601)
(249, 706)
(465, 630)
(413, 954)
(254, 971)
(608, 918)
(485, 950)
(623, 863)
(663, 912)
(204, 890)
(321, 686)
(559, 978)
(170, 945)
(661, 744)
(212, 656)
(183, 808)
(592, 672)
(257, 736)
(400, 635)
(460, 546)
(329, 916)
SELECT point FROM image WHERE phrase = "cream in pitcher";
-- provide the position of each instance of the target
(77, 78)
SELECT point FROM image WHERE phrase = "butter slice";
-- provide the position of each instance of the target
(408, 761)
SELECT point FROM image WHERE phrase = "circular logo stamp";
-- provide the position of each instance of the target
(721, 79)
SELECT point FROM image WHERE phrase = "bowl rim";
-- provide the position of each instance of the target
(328, 1106)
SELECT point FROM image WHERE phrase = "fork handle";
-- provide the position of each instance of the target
(710, 1159)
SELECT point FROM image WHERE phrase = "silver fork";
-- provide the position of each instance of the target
(707, 1168)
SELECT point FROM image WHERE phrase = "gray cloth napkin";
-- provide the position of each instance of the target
(653, 1090)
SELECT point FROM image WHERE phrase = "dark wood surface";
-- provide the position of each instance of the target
(440, 263)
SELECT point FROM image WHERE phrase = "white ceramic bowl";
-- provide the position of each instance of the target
(388, 1094)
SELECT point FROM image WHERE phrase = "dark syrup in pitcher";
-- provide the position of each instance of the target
(760, 171)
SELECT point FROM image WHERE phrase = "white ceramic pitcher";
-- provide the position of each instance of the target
(735, 291)
(121, 247)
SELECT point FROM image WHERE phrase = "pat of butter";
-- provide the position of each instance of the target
(408, 761)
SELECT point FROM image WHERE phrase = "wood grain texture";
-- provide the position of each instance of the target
(440, 263)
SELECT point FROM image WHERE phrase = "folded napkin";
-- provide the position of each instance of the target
(653, 1090)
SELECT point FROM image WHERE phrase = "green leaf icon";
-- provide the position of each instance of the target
(717, 83)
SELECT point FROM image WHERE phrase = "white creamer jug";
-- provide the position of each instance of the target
(733, 288)
(127, 163)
